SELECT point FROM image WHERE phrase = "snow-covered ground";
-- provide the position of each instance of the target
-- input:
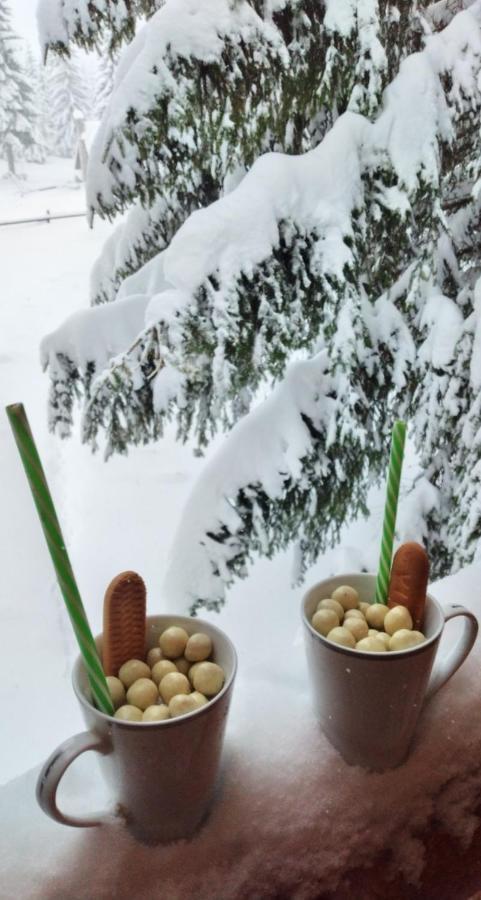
(116, 515)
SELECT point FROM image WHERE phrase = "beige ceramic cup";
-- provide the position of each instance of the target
(163, 775)
(369, 703)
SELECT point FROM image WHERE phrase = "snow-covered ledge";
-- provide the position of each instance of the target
(292, 818)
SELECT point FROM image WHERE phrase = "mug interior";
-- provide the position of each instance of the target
(224, 654)
(365, 584)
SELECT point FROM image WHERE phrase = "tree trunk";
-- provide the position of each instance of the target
(10, 159)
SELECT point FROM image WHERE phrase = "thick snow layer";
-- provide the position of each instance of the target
(263, 448)
(318, 189)
(103, 331)
(341, 16)
(138, 226)
(52, 27)
(443, 321)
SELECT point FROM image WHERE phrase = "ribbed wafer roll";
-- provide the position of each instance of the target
(409, 580)
(124, 621)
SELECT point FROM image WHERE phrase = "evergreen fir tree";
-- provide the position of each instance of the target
(69, 102)
(104, 82)
(38, 116)
(306, 183)
(16, 110)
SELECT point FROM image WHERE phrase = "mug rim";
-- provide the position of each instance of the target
(79, 666)
(365, 654)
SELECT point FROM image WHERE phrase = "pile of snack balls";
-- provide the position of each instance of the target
(373, 627)
(177, 678)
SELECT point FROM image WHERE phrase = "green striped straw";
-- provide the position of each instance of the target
(390, 510)
(51, 529)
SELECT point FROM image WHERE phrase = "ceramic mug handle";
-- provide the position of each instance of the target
(53, 770)
(449, 664)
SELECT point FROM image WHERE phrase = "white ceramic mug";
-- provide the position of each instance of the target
(369, 703)
(163, 774)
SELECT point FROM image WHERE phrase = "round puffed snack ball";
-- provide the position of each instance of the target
(157, 713)
(190, 673)
(172, 684)
(364, 607)
(346, 596)
(182, 664)
(132, 670)
(331, 604)
(355, 614)
(153, 656)
(198, 647)
(405, 638)
(398, 617)
(199, 698)
(371, 645)
(208, 678)
(342, 636)
(142, 693)
(162, 668)
(116, 690)
(376, 614)
(357, 627)
(381, 636)
(173, 641)
(324, 620)
(181, 704)
(128, 714)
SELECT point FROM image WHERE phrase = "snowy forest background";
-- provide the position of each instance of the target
(45, 108)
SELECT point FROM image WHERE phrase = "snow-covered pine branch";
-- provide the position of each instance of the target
(279, 473)
(440, 13)
(84, 21)
(187, 113)
(133, 242)
(179, 95)
(85, 344)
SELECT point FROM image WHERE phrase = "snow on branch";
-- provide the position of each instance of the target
(440, 14)
(141, 236)
(191, 55)
(259, 485)
(87, 342)
(83, 21)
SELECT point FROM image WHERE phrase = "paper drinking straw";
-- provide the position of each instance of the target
(390, 509)
(51, 529)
